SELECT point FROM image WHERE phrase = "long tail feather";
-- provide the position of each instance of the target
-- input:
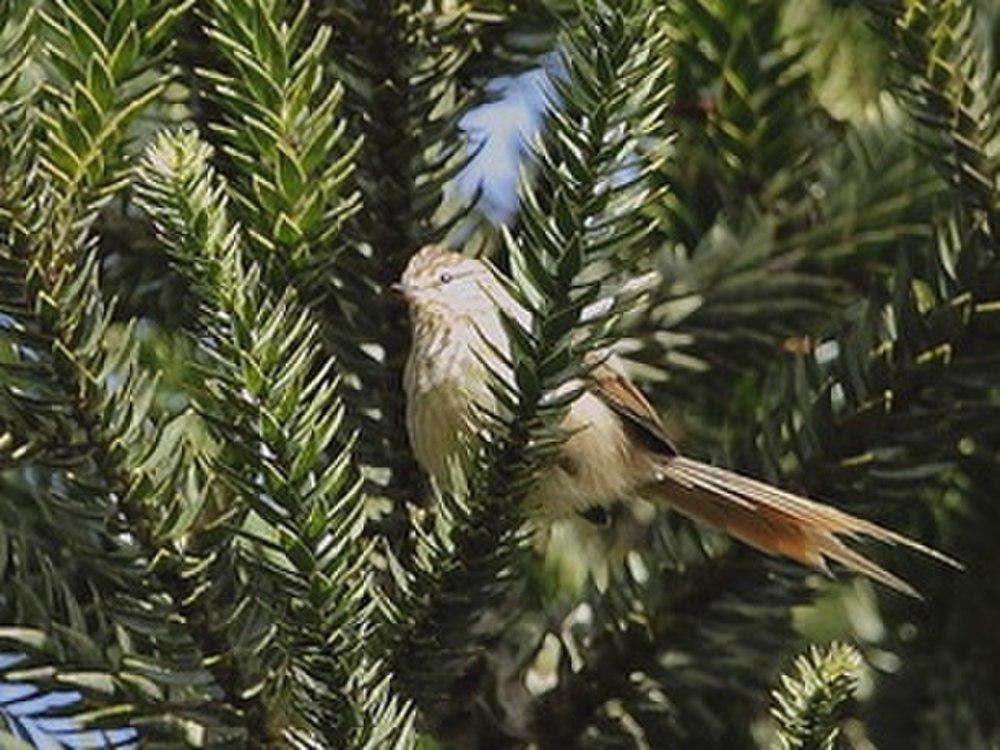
(778, 522)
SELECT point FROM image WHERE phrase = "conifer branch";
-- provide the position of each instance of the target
(96, 469)
(263, 569)
(943, 81)
(283, 135)
(298, 611)
(611, 99)
(809, 704)
(742, 276)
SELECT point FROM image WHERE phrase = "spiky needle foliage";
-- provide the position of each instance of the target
(88, 469)
(284, 578)
(612, 97)
(229, 556)
(809, 703)
(693, 601)
(290, 158)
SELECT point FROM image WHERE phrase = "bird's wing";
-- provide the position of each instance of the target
(625, 399)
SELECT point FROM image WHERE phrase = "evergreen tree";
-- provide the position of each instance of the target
(782, 215)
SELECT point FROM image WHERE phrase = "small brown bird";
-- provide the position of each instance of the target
(617, 445)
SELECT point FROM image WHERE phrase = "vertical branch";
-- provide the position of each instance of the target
(400, 62)
(578, 219)
(292, 593)
(97, 477)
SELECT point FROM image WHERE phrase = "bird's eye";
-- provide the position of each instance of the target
(445, 277)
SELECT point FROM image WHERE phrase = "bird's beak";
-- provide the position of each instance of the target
(402, 291)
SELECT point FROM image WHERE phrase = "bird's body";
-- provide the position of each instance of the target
(617, 447)
(444, 376)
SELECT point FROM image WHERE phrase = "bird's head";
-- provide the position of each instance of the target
(440, 283)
